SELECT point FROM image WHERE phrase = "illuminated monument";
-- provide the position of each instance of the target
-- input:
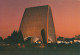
(34, 20)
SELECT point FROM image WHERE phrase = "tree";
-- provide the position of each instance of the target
(67, 39)
(14, 37)
(72, 39)
(60, 38)
(1, 40)
(20, 38)
(8, 40)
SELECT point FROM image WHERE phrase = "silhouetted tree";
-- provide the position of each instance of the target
(72, 39)
(14, 37)
(20, 38)
(1, 40)
(60, 38)
(8, 40)
(43, 36)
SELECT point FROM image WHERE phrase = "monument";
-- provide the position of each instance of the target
(34, 20)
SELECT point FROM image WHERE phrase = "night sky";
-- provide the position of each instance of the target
(66, 15)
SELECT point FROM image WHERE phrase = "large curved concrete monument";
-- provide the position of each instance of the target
(34, 20)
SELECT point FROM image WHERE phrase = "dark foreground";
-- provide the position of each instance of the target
(40, 51)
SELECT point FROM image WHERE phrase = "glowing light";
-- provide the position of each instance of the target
(59, 42)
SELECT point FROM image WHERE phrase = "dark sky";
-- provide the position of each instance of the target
(66, 15)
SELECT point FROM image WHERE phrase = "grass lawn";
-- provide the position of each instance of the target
(40, 51)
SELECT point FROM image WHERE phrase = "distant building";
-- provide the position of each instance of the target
(65, 40)
(60, 40)
(34, 20)
(77, 39)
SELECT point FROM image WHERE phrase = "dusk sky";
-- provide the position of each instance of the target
(66, 15)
